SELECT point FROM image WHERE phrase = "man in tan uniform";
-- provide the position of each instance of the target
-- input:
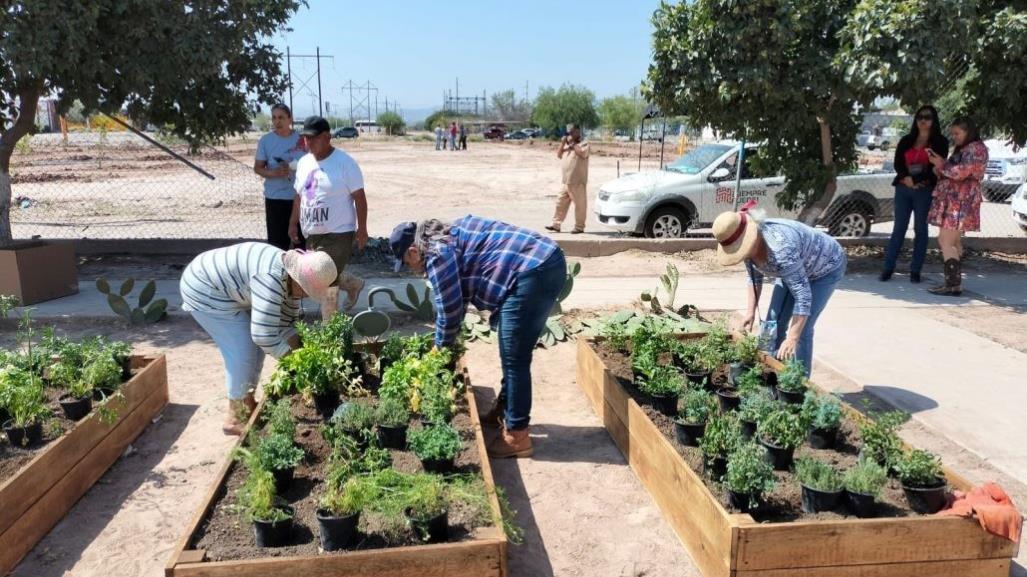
(574, 154)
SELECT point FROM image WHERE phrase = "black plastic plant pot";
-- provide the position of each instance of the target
(688, 434)
(791, 398)
(748, 429)
(438, 466)
(815, 501)
(770, 381)
(274, 533)
(100, 394)
(337, 532)
(4, 415)
(728, 399)
(24, 436)
(699, 379)
(392, 437)
(435, 528)
(743, 502)
(735, 372)
(283, 479)
(666, 404)
(926, 500)
(861, 505)
(76, 408)
(716, 467)
(779, 457)
(823, 438)
(326, 404)
(126, 368)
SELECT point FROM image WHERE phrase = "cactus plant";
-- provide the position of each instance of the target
(147, 310)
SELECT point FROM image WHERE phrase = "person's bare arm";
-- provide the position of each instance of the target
(360, 200)
(260, 167)
(294, 220)
(755, 290)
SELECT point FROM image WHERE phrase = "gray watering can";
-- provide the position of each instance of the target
(373, 323)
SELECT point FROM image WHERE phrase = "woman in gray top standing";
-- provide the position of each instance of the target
(277, 154)
(808, 265)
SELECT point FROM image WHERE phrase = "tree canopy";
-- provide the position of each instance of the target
(505, 106)
(621, 113)
(555, 109)
(391, 122)
(198, 67)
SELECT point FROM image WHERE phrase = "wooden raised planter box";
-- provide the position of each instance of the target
(484, 555)
(44, 490)
(724, 544)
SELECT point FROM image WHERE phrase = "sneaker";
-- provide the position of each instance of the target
(511, 445)
(885, 276)
(914, 277)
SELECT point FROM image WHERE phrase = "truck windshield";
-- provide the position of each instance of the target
(693, 161)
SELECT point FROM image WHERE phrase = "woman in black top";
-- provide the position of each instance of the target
(914, 183)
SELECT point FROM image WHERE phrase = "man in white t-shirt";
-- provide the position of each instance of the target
(330, 207)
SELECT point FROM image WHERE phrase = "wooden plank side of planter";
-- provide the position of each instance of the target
(39, 475)
(479, 558)
(46, 512)
(867, 542)
(483, 556)
(702, 525)
(970, 568)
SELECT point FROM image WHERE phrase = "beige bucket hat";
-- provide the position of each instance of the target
(314, 271)
(736, 234)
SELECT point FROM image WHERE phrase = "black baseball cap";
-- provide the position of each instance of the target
(401, 239)
(315, 125)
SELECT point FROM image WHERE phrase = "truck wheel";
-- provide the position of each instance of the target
(885, 146)
(667, 222)
(852, 221)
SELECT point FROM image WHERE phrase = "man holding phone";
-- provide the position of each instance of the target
(573, 151)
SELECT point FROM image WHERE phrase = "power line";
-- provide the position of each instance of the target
(317, 56)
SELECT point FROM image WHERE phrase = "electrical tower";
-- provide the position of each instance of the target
(305, 84)
(463, 104)
(361, 102)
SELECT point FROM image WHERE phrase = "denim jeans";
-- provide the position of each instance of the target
(782, 302)
(243, 358)
(522, 316)
(915, 201)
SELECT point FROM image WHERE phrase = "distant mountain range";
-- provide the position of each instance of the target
(414, 115)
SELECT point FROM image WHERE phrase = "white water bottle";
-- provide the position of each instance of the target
(768, 333)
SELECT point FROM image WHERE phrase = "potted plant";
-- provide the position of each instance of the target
(750, 380)
(279, 455)
(728, 399)
(696, 407)
(436, 397)
(781, 432)
(272, 522)
(77, 401)
(863, 484)
(393, 419)
(662, 390)
(824, 415)
(745, 355)
(355, 419)
(880, 437)
(643, 366)
(26, 405)
(436, 447)
(754, 406)
(694, 359)
(340, 509)
(103, 374)
(821, 484)
(722, 436)
(748, 477)
(791, 383)
(923, 481)
(427, 508)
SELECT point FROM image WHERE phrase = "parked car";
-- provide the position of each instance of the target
(889, 137)
(495, 131)
(517, 135)
(691, 191)
(1020, 207)
(347, 132)
(1007, 170)
(532, 132)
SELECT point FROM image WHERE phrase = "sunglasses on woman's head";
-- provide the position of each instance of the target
(925, 117)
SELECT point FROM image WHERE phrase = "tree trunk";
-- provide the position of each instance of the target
(28, 101)
(811, 213)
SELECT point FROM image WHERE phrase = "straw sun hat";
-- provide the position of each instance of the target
(736, 234)
(314, 271)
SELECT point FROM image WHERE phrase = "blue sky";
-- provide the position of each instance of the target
(414, 50)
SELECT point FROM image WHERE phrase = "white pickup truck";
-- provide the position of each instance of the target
(690, 192)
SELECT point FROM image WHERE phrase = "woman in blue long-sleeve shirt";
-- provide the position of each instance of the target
(514, 273)
(808, 265)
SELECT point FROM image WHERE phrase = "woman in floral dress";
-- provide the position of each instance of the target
(956, 206)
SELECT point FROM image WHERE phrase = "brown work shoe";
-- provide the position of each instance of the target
(552, 228)
(578, 231)
(511, 445)
(494, 417)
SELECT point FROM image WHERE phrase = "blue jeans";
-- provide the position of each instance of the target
(522, 316)
(915, 201)
(243, 358)
(782, 302)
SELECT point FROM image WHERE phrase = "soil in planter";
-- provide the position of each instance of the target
(226, 537)
(784, 503)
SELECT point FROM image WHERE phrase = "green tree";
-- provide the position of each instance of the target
(620, 113)
(200, 67)
(555, 109)
(505, 106)
(391, 122)
(437, 118)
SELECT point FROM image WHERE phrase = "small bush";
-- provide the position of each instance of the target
(722, 436)
(782, 428)
(354, 417)
(880, 437)
(748, 472)
(278, 452)
(750, 380)
(747, 350)
(817, 475)
(280, 421)
(919, 468)
(351, 498)
(866, 477)
(792, 378)
(392, 413)
(756, 405)
(696, 406)
(822, 411)
(664, 382)
(437, 443)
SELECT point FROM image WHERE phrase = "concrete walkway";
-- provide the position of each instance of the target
(964, 386)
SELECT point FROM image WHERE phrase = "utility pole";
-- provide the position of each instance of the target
(351, 119)
(317, 56)
(288, 66)
(320, 107)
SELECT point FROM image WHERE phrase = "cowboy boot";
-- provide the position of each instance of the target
(953, 280)
(511, 445)
(353, 287)
(330, 303)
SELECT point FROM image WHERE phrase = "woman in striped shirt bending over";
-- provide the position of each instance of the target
(247, 298)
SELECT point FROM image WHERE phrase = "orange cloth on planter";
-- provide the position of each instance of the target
(994, 509)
